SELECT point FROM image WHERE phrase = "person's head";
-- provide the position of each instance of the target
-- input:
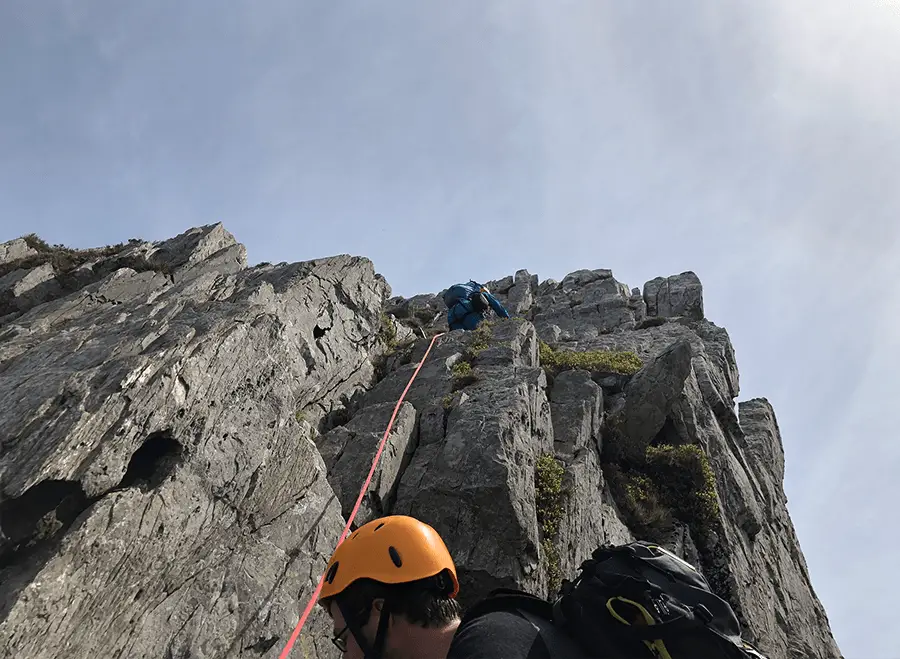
(390, 589)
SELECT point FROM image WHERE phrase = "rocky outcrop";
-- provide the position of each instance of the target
(159, 495)
(183, 437)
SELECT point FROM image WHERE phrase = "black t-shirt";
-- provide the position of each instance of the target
(498, 635)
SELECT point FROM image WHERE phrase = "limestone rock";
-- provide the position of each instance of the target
(681, 295)
(22, 289)
(181, 437)
(348, 452)
(590, 518)
(775, 592)
(649, 398)
(157, 494)
(15, 250)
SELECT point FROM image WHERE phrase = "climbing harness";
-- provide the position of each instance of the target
(315, 596)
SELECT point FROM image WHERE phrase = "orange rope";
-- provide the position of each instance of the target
(362, 493)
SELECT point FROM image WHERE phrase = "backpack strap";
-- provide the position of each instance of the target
(559, 645)
(537, 611)
(507, 599)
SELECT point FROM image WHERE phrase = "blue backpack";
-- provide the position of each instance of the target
(466, 292)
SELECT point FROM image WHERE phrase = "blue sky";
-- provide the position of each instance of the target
(755, 143)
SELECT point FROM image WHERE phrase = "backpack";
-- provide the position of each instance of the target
(471, 292)
(677, 614)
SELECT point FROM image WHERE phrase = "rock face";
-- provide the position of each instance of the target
(183, 436)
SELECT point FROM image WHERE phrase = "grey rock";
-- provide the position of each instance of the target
(348, 452)
(158, 421)
(777, 598)
(680, 295)
(501, 286)
(21, 290)
(649, 397)
(586, 305)
(762, 445)
(203, 250)
(576, 404)
(520, 296)
(164, 489)
(475, 484)
(15, 250)
(581, 278)
(590, 517)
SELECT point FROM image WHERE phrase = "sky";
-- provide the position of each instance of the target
(751, 142)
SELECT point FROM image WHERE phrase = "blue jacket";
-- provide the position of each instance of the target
(463, 316)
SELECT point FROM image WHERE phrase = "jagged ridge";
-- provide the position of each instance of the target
(172, 416)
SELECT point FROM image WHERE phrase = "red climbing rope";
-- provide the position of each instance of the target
(362, 493)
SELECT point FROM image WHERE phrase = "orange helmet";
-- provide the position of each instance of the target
(392, 550)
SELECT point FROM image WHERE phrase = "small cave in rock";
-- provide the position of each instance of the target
(318, 332)
(668, 435)
(153, 462)
(45, 510)
(262, 645)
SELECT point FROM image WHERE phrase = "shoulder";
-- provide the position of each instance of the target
(498, 635)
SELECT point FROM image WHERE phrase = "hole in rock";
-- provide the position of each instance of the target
(263, 645)
(152, 463)
(668, 435)
(43, 511)
(318, 332)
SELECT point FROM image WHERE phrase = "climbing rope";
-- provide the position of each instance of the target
(362, 493)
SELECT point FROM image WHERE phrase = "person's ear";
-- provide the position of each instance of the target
(378, 605)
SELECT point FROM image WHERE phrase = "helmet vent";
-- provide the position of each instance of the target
(332, 572)
(378, 527)
(395, 556)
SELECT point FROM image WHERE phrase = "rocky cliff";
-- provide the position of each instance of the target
(182, 437)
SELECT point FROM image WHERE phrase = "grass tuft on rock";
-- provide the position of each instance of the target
(64, 259)
(549, 500)
(673, 482)
(595, 361)
(463, 375)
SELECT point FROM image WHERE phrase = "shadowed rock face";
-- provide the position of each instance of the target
(182, 436)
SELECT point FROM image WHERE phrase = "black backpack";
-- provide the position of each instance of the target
(632, 601)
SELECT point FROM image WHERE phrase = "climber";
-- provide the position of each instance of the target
(468, 303)
(390, 589)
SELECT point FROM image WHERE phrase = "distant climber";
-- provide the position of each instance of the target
(468, 304)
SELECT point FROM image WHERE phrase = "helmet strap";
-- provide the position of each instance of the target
(381, 635)
(352, 620)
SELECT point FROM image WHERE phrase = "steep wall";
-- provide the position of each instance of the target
(182, 435)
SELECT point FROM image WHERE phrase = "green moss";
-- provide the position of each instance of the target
(299, 416)
(447, 401)
(688, 482)
(674, 482)
(554, 571)
(387, 333)
(606, 361)
(461, 369)
(549, 501)
(640, 503)
(480, 338)
(463, 375)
